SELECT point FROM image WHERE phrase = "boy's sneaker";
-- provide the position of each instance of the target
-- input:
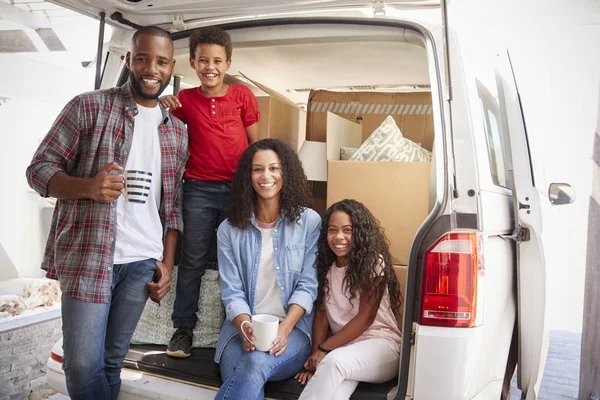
(180, 344)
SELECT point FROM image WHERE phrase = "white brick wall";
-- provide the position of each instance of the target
(23, 355)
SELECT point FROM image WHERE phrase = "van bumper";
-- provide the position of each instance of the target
(459, 362)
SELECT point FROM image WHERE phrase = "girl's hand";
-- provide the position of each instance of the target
(280, 343)
(314, 360)
(303, 377)
(169, 101)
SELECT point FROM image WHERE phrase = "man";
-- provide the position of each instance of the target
(112, 243)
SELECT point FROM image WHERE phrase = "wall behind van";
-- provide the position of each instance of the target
(36, 87)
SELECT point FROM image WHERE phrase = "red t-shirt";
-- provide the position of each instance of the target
(217, 130)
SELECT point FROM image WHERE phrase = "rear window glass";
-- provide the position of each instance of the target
(490, 114)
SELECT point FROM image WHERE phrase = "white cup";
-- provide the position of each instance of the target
(136, 185)
(264, 329)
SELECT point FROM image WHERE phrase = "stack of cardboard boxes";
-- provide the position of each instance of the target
(397, 193)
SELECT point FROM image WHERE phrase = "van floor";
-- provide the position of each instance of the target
(201, 369)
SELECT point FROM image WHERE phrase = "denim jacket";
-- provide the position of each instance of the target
(238, 250)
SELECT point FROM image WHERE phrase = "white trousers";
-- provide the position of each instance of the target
(338, 374)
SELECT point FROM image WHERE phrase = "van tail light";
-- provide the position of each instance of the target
(56, 357)
(453, 268)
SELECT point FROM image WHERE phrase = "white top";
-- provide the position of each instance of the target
(268, 299)
(139, 229)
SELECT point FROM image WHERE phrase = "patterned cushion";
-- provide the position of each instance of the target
(156, 327)
(386, 143)
(347, 152)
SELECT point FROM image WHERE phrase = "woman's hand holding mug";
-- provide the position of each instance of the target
(245, 331)
(281, 340)
(263, 330)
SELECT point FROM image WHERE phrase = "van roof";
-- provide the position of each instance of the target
(178, 14)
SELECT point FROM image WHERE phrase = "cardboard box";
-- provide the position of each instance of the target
(341, 133)
(397, 193)
(411, 111)
(280, 118)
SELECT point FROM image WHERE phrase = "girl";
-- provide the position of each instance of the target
(358, 300)
(266, 252)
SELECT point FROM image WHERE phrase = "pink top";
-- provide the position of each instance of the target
(340, 311)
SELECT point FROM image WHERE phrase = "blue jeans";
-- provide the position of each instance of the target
(245, 373)
(204, 208)
(96, 336)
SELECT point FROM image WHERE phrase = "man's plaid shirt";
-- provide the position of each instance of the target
(93, 130)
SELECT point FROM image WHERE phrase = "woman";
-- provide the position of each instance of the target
(266, 252)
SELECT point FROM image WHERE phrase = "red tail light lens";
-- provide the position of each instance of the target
(56, 357)
(452, 266)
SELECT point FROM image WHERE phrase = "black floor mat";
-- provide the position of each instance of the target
(200, 368)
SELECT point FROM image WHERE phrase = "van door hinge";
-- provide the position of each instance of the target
(523, 234)
(178, 22)
(378, 8)
(413, 335)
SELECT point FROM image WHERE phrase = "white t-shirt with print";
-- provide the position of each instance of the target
(139, 229)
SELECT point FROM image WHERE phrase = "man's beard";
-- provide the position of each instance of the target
(137, 88)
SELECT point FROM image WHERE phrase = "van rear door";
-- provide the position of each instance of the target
(527, 201)
(462, 19)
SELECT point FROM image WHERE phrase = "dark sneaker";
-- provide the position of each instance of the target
(180, 344)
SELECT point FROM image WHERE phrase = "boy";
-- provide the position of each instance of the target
(222, 122)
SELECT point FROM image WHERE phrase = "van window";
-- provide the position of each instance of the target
(490, 114)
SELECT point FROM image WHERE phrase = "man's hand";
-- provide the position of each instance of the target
(162, 282)
(171, 102)
(105, 186)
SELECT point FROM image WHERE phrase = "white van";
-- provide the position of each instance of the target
(475, 296)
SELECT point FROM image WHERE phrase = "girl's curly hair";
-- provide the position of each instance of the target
(369, 249)
(295, 193)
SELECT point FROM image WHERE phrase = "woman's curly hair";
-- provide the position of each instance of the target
(369, 250)
(295, 193)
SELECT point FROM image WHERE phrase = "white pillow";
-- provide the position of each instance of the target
(387, 143)
(347, 152)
